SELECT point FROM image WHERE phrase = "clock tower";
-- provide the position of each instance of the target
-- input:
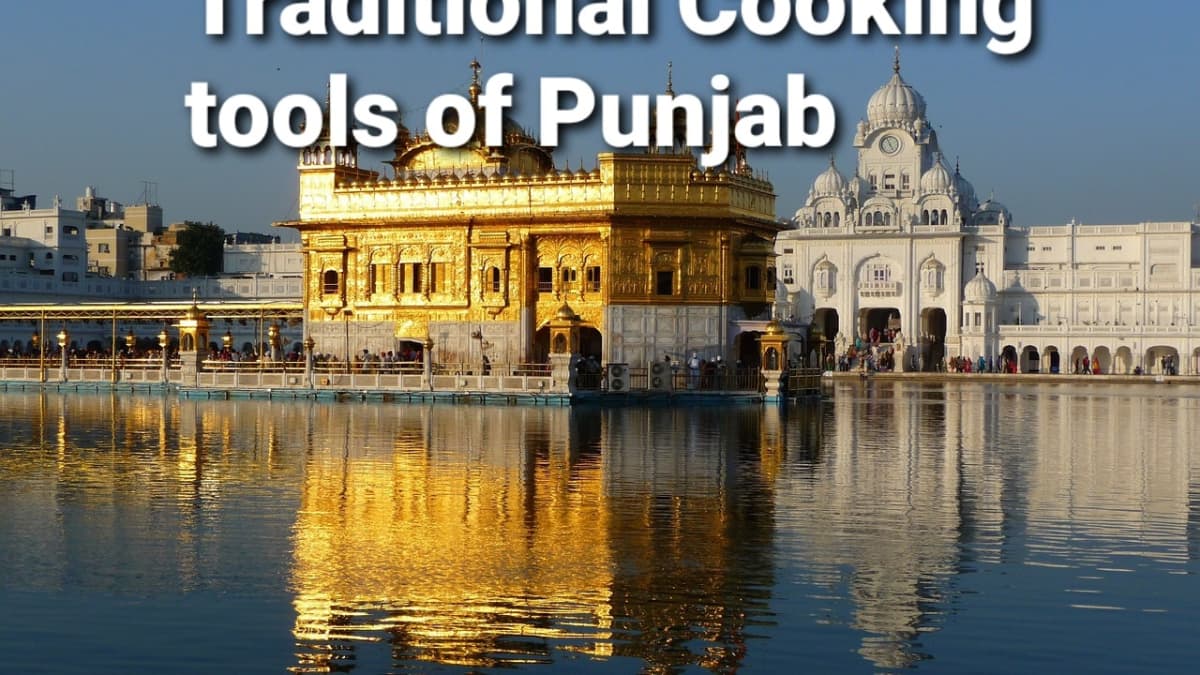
(896, 145)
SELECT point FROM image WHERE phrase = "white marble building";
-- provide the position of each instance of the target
(904, 243)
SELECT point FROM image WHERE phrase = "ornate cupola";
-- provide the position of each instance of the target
(895, 103)
(323, 153)
(831, 183)
(980, 316)
(937, 180)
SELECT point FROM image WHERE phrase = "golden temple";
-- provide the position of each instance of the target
(477, 249)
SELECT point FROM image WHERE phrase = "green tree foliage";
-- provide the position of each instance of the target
(199, 250)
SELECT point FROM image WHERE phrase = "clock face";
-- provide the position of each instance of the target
(889, 144)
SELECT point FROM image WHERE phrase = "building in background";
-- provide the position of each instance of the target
(106, 251)
(902, 252)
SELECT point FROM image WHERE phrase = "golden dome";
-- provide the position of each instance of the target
(773, 328)
(519, 152)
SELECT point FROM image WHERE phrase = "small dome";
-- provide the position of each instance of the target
(858, 187)
(993, 206)
(937, 180)
(831, 182)
(565, 313)
(965, 189)
(980, 289)
(193, 313)
(993, 212)
(774, 328)
(895, 102)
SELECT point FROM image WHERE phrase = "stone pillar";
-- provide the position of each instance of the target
(564, 373)
(773, 356)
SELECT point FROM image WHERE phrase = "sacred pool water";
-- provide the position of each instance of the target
(940, 528)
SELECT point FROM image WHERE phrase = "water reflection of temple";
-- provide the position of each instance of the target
(503, 536)
(920, 484)
(654, 538)
(116, 490)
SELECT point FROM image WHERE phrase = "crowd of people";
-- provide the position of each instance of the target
(407, 359)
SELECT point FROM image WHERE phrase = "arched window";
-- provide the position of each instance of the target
(827, 220)
(936, 219)
(945, 220)
(925, 217)
(495, 279)
(837, 220)
(825, 279)
(329, 284)
(887, 219)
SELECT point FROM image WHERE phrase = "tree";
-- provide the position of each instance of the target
(199, 250)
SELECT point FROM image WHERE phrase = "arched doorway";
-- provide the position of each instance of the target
(1102, 357)
(825, 328)
(746, 347)
(933, 337)
(541, 346)
(410, 352)
(1008, 359)
(591, 343)
(1077, 356)
(1031, 361)
(1162, 361)
(1123, 363)
(1052, 360)
(877, 324)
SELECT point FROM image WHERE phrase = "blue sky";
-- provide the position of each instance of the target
(1097, 121)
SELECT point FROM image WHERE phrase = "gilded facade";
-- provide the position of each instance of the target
(477, 248)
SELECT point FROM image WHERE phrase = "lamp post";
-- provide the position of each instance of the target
(163, 341)
(36, 342)
(427, 363)
(274, 340)
(227, 340)
(309, 345)
(130, 342)
(64, 339)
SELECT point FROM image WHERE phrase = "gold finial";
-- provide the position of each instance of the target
(475, 88)
(896, 62)
(670, 78)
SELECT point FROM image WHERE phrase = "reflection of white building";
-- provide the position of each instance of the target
(904, 242)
